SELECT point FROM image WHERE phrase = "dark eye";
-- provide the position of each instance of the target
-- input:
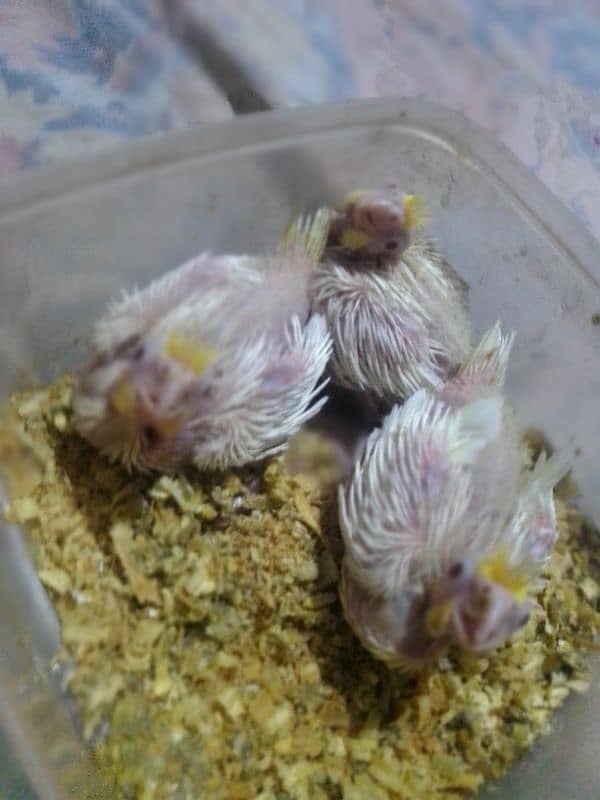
(391, 245)
(151, 435)
(455, 571)
(524, 619)
(370, 217)
(138, 353)
(127, 346)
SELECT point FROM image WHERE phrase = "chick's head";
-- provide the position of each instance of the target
(134, 406)
(479, 605)
(379, 223)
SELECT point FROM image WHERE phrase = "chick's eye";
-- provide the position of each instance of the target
(456, 570)
(151, 435)
(524, 619)
(393, 245)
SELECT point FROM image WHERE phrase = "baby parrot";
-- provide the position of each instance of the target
(216, 364)
(443, 532)
(396, 310)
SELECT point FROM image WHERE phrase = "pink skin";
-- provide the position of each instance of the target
(379, 214)
(484, 615)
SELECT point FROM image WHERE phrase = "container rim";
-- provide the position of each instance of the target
(468, 141)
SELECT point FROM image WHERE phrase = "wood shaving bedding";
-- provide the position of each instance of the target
(208, 653)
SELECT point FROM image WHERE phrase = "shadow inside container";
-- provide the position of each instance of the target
(104, 492)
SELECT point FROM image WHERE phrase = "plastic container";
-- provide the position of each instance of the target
(72, 237)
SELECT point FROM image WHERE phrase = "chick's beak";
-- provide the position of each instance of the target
(125, 400)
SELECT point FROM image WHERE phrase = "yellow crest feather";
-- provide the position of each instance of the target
(188, 354)
(496, 569)
(352, 197)
(307, 234)
(414, 211)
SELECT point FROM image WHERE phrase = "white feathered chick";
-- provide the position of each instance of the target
(396, 310)
(443, 535)
(215, 364)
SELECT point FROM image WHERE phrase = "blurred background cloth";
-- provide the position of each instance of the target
(78, 76)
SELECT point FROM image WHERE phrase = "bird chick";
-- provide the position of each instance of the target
(443, 544)
(396, 310)
(216, 364)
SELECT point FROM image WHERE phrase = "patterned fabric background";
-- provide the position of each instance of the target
(83, 75)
